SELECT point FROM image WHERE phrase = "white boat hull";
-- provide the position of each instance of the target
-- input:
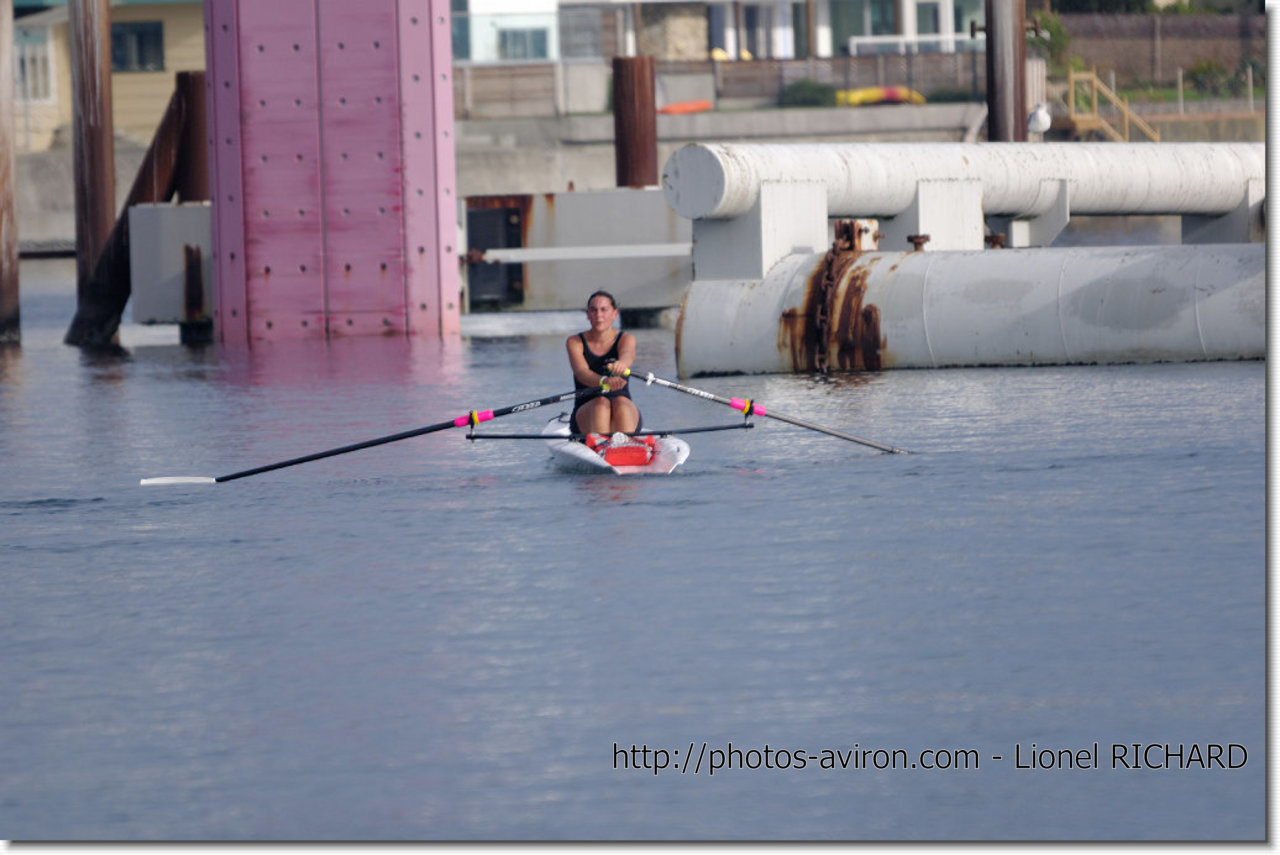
(668, 453)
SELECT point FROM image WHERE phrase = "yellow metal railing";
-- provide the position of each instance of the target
(1089, 119)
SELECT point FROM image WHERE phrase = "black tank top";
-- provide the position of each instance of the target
(597, 363)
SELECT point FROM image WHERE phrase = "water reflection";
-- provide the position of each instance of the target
(611, 489)
(10, 363)
(345, 361)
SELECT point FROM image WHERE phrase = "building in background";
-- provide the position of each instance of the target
(151, 40)
(552, 57)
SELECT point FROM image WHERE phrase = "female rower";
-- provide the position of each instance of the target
(598, 357)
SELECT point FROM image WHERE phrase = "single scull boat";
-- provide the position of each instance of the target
(655, 452)
(663, 454)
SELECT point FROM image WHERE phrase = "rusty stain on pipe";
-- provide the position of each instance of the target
(857, 338)
(833, 317)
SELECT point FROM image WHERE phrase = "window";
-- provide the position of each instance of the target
(581, 32)
(461, 25)
(928, 18)
(882, 18)
(522, 44)
(34, 82)
(137, 46)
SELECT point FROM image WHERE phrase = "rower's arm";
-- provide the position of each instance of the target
(578, 363)
(626, 355)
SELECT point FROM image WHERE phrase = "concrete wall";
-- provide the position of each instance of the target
(550, 155)
(545, 155)
(45, 190)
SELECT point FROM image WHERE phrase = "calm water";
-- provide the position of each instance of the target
(443, 639)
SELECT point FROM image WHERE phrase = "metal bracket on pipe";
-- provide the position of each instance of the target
(524, 254)
(788, 217)
(949, 211)
(1040, 230)
(1243, 225)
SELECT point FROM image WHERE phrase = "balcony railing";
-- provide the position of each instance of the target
(908, 45)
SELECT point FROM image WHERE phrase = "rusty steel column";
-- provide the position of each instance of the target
(10, 330)
(111, 279)
(94, 154)
(635, 121)
(1006, 71)
(196, 326)
(193, 149)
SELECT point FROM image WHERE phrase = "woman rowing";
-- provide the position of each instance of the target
(598, 357)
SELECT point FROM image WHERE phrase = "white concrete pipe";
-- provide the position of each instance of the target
(722, 180)
(1080, 305)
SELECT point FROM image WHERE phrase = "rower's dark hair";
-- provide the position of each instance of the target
(594, 294)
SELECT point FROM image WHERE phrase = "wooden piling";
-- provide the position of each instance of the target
(10, 329)
(96, 322)
(635, 121)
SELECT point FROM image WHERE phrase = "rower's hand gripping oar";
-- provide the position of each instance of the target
(471, 419)
(749, 407)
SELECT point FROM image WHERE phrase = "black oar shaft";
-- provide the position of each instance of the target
(332, 452)
(750, 408)
(472, 418)
(581, 436)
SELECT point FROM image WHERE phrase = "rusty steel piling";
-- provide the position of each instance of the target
(192, 180)
(196, 326)
(1006, 71)
(10, 328)
(176, 162)
(635, 121)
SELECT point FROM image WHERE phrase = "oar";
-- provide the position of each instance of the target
(750, 407)
(472, 419)
(582, 436)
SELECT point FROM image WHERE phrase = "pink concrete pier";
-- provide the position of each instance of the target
(333, 182)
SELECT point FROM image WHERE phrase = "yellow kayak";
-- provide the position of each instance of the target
(878, 95)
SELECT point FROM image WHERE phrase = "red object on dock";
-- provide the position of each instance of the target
(684, 107)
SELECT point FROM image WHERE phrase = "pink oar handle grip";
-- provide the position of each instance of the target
(473, 418)
(747, 406)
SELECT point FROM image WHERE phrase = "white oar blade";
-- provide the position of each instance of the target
(178, 479)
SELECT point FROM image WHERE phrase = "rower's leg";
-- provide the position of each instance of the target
(625, 416)
(594, 416)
